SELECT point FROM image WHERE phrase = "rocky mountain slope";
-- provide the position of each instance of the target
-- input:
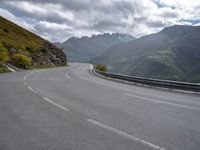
(16, 40)
(173, 53)
(86, 48)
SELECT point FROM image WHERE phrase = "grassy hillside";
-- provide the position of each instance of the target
(14, 36)
(16, 40)
(173, 53)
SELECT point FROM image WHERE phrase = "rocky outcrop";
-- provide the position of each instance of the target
(50, 55)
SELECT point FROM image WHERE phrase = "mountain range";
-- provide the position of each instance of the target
(86, 48)
(172, 54)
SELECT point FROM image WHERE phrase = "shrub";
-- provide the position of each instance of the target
(2, 48)
(3, 57)
(101, 67)
(3, 69)
(22, 61)
(3, 54)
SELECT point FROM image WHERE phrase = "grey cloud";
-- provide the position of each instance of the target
(66, 18)
(70, 4)
(124, 7)
(169, 13)
(59, 33)
(156, 24)
(103, 24)
(47, 15)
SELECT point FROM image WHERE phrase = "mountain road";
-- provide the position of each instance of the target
(69, 108)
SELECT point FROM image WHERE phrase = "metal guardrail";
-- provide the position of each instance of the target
(153, 82)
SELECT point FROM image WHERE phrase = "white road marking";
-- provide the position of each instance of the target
(26, 76)
(53, 103)
(31, 89)
(162, 102)
(67, 76)
(91, 67)
(126, 135)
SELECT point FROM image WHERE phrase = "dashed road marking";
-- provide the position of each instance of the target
(53, 103)
(45, 98)
(31, 89)
(67, 76)
(126, 135)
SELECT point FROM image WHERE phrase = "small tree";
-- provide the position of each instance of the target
(101, 67)
(22, 61)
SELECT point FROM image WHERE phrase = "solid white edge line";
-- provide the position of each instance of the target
(53, 103)
(126, 135)
(162, 102)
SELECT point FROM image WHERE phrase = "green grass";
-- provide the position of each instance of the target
(21, 61)
(41, 67)
(3, 69)
(15, 40)
(14, 36)
(45, 67)
(166, 57)
(101, 67)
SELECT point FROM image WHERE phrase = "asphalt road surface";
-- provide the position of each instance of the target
(68, 108)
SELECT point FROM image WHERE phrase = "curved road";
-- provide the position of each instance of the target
(68, 108)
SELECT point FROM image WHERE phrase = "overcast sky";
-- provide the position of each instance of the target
(58, 20)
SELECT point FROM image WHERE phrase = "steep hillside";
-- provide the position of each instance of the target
(173, 53)
(85, 48)
(15, 40)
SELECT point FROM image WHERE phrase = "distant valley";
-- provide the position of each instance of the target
(172, 54)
